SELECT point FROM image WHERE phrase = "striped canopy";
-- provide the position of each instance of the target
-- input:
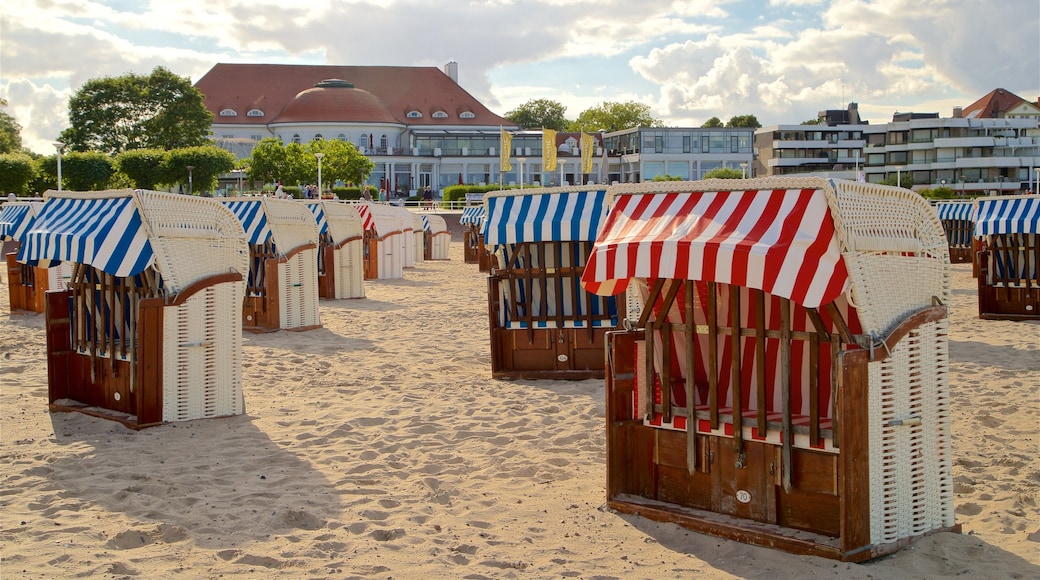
(105, 232)
(384, 219)
(251, 214)
(954, 210)
(548, 216)
(16, 218)
(434, 224)
(1018, 214)
(472, 216)
(780, 241)
(318, 209)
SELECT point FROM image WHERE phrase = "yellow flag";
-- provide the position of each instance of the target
(587, 143)
(507, 147)
(548, 150)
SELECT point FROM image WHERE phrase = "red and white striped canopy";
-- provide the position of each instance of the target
(779, 241)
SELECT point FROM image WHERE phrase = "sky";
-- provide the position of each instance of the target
(687, 60)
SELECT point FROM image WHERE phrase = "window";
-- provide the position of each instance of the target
(341, 137)
(439, 115)
(362, 142)
(414, 115)
(255, 113)
(228, 113)
(383, 142)
(466, 115)
(296, 138)
(318, 137)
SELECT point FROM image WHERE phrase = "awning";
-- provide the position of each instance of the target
(16, 218)
(1007, 215)
(954, 210)
(251, 214)
(567, 216)
(318, 209)
(385, 220)
(472, 216)
(104, 232)
(780, 241)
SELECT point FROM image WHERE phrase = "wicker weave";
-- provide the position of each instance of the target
(348, 265)
(298, 300)
(418, 240)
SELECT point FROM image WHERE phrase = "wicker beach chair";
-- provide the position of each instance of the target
(1009, 262)
(784, 379)
(542, 323)
(148, 329)
(341, 269)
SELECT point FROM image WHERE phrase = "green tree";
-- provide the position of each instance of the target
(89, 171)
(713, 123)
(267, 163)
(207, 163)
(143, 167)
(744, 121)
(610, 116)
(723, 173)
(539, 114)
(341, 161)
(10, 132)
(815, 121)
(16, 173)
(115, 114)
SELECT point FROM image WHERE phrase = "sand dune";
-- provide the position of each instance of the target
(379, 447)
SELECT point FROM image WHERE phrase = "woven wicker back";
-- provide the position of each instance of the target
(895, 251)
(344, 221)
(292, 224)
(192, 237)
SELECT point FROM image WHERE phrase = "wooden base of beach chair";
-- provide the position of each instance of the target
(960, 255)
(27, 286)
(1010, 299)
(472, 247)
(548, 353)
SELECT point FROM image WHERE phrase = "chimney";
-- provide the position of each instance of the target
(958, 112)
(452, 70)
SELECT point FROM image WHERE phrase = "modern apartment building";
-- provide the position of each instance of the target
(640, 154)
(990, 147)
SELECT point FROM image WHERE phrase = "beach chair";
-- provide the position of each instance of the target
(417, 234)
(341, 269)
(785, 382)
(1009, 262)
(282, 286)
(959, 225)
(436, 237)
(384, 240)
(27, 286)
(543, 324)
(474, 251)
(148, 328)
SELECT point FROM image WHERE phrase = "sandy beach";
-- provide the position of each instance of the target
(378, 446)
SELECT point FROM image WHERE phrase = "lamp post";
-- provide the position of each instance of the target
(522, 160)
(743, 170)
(60, 147)
(190, 168)
(319, 156)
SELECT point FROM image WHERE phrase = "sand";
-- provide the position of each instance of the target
(379, 447)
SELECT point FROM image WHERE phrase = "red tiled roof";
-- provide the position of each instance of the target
(993, 105)
(272, 87)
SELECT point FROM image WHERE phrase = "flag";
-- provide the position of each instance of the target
(587, 144)
(504, 154)
(548, 150)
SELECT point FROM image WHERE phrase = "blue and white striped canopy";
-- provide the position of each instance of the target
(567, 216)
(1007, 215)
(426, 225)
(472, 216)
(954, 210)
(251, 214)
(318, 209)
(104, 232)
(15, 220)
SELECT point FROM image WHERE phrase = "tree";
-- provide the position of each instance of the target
(902, 179)
(539, 114)
(724, 173)
(267, 162)
(16, 172)
(815, 121)
(143, 167)
(207, 163)
(744, 121)
(342, 161)
(89, 171)
(614, 117)
(713, 123)
(115, 114)
(296, 163)
(10, 132)
(666, 177)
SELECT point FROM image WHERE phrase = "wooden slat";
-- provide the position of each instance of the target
(713, 355)
(787, 431)
(666, 371)
(735, 381)
(691, 395)
(655, 291)
(814, 390)
(760, 359)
